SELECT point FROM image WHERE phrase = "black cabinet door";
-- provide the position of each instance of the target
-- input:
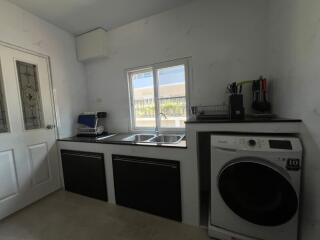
(84, 173)
(149, 185)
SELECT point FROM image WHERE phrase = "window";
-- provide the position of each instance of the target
(158, 96)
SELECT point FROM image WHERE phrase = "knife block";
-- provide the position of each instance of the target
(236, 108)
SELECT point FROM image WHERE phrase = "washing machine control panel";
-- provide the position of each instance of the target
(253, 143)
(257, 143)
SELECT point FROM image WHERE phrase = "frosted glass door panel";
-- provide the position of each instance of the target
(30, 95)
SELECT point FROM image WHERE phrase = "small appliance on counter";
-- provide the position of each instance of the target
(90, 124)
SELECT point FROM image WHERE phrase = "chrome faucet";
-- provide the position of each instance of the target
(164, 115)
(156, 130)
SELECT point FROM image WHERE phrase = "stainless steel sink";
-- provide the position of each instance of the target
(153, 138)
(139, 138)
(167, 138)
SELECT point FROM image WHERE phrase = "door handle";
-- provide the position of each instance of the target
(50, 126)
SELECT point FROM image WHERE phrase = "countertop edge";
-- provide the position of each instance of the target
(243, 121)
(127, 143)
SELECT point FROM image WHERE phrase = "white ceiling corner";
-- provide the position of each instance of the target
(79, 16)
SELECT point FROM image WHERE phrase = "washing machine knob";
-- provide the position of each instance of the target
(252, 142)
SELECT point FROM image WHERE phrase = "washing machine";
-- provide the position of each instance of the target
(255, 187)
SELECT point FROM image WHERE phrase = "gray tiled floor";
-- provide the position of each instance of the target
(64, 215)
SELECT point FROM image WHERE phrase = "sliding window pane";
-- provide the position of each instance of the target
(172, 96)
(143, 105)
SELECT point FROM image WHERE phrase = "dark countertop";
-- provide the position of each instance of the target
(118, 140)
(246, 120)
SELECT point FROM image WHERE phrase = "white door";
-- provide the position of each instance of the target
(28, 153)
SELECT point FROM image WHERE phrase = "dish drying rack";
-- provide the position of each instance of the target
(211, 112)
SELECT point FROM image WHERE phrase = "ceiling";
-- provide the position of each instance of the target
(80, 16)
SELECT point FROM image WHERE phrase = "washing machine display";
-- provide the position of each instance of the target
(280, 144)
(257, 192)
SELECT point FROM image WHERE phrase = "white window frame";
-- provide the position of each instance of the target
(154, 68)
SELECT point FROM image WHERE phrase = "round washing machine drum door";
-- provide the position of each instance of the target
(257, 192)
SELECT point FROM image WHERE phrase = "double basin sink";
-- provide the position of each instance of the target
(154, 138)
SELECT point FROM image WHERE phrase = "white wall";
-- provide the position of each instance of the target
(294, 57)
(226, 40)
(25, 30)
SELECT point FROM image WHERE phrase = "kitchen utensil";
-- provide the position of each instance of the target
(259, 94)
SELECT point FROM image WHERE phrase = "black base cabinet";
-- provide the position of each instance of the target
(148, 185)
(84, 173)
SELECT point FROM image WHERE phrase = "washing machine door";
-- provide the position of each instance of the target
(254, 190)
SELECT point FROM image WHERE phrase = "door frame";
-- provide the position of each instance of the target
(53, 101)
